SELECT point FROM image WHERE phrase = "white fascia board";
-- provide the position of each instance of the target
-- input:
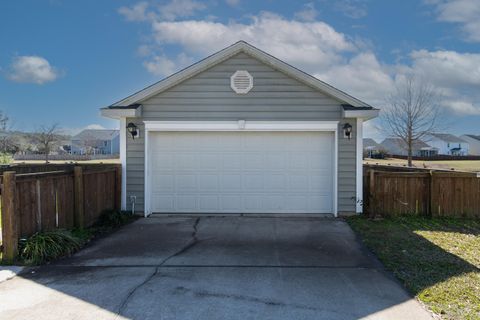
(123, 161)
(241, 125)
(359, 166)
(363, 114)
(118, 113)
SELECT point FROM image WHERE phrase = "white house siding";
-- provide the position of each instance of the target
(275, 96)
(474, 145)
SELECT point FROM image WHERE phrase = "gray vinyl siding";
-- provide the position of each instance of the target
(275, 96)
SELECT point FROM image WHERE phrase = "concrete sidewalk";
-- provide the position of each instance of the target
(214, 268)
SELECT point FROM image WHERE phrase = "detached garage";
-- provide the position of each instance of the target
(241, 132)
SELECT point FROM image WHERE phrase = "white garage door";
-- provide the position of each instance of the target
(241, 172)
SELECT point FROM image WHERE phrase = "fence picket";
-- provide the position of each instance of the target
(436, 194)
(43, 201)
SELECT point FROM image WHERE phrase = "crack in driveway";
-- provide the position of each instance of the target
(245, 298)
(194, 240)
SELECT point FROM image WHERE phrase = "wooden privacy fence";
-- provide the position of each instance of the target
(433, 193)
(43, 201)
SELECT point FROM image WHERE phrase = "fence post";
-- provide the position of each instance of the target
(118, 188)
(10, 221)
(371, 193)
(79, 199)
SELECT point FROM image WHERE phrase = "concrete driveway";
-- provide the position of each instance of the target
(214, 268)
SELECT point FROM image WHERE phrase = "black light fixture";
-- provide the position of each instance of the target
(132, 128)
(347, 129)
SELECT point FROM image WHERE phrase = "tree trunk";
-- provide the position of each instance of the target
(410, 152)
(47, 151)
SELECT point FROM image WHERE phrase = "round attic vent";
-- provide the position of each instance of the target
(241, 81)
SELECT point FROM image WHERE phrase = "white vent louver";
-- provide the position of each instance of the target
(241, 82)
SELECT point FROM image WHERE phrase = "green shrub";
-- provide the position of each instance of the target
(47, 246)
(113, 219)
(5, 158)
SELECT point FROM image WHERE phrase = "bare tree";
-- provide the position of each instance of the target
(91, 144)
(46, 138)
(7, 143)
(412, 113)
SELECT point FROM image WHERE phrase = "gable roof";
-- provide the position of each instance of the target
(369, 143)
(399, 143)
(222, 55)
(447, 137)
(96, 134)
(472, 136)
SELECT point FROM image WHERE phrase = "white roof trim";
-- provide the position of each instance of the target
(117, 113)
(363, 114)
(228, 52)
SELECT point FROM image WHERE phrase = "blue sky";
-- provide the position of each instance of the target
(60, 61)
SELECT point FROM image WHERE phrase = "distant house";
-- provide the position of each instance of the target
(96, 141)
(448, 144)
(473, 142)
(396, 146)
(371, 148)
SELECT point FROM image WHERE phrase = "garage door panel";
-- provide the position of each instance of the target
(163, 183)
(298, 161)
(299, 202)
(257, 172)
(253, 202)
(208, 182)
(185, 183)
(209, 203)
(208, 161)
(231, 182)
(276, 160)
(163, 203)
(163, 160)
(276, 182)
(298, 182)
(231, 203)
(231, 161)
(253, 161)
(254, 182)
(274, 203)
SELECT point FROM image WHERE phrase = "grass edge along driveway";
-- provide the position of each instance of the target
(437, 259)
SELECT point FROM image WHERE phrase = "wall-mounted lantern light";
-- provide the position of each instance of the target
(347, 130)
(132, 128)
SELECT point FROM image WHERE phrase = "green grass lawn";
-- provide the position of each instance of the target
(437, 260)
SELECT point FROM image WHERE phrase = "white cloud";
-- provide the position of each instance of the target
(136, 13)
(305, 44)
(32, 69)
(161, 65)
(354, 9)
(143, 11)
(94, 126)
(74, 131)
(319, 49)
(463, 107)
(448, 68)
(455, 75)
(464, 12)
(180, 8)
(308, 13)
(372, 129)
(363, 77)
